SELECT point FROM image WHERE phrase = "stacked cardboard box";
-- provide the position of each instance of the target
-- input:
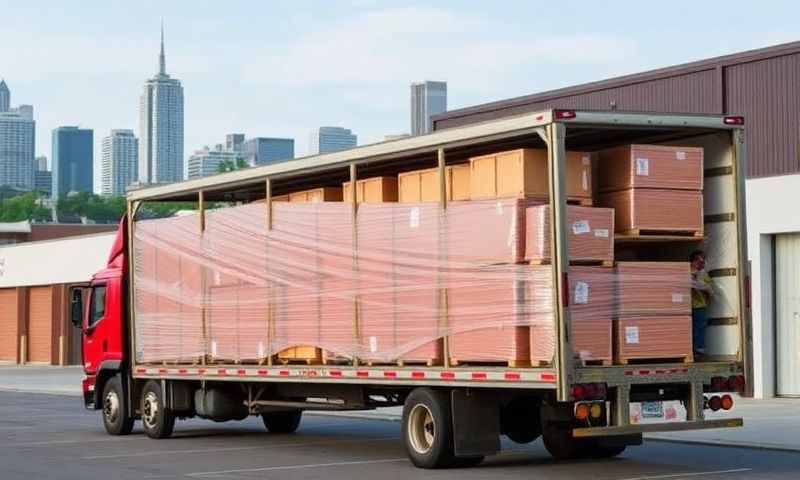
(423, 185)
(638, 181)
(590, 231)
(653, 311)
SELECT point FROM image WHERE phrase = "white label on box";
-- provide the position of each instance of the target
(677, 298)
(260, 349)
(585, 181)
(373, 344)
(680, 155)
(601, 232)
(512, 235)
(586, 160)
(498, 207)
(631, 334)
(642, 167)
(581, 293)
(213, 348)
(217, 278)
(581, 227)
(413, 217)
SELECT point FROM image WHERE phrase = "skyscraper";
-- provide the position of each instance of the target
(161, 126)
(120, 162)
(263, 151)
(17, 142)
(331, 139)
(5, 96)
(427, 98)
(42, 177)
(73, 160)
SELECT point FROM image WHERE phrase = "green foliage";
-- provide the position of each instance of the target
(23, 207)
(97, 208)
(230, 165)
(163, 209)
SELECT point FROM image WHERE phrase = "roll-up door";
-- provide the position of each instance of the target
(9, 327)
(40, 324)
(787, 309)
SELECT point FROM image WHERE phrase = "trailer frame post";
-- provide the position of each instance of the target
(444, 313)
(696, 402)
(270, 310)
(356, 299)
(621, 412)
(201, 206)
(559, 247)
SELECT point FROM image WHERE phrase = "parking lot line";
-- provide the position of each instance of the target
(690, 474)
(296, 467)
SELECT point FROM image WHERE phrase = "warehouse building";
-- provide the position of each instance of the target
(764, 86)
(34, 296)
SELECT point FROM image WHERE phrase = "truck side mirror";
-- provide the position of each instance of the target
(76, 306)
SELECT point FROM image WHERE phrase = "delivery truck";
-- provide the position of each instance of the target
(525, 277)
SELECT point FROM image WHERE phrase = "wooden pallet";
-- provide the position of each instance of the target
(301, 354)
(643, 361)
(595, 363)
(511, 363)
(576, 262)
(641, 232)
(404, 363)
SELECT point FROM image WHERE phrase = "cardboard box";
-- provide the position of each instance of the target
(372, 190)
(590, 230)
(322, 194)
(651, 166)
(523, 172)
(591, 304)
(423, 185)
(657, 337)
(485, 232)
(653, 288)
(639, 210)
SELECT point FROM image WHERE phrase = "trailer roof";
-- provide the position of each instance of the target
(505, 129)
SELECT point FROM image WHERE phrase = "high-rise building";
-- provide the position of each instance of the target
(42, 177)
(234, 142)
(72, 160)
(263, 151)
(427, 98)
(206, 161)
(120, 162)
(17, 142)
(40, 163)
(161, 127)
(5, 96)
(331, 139)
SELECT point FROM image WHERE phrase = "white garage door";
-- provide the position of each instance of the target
(787, 307)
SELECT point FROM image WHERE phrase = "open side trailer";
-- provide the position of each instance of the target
(453, 415)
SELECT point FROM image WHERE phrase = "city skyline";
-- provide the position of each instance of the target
(120, 161)
(331, 139)
(17, 142)
(428, 98)
(72, 162)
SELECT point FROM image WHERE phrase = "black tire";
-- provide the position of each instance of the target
(116, 418)
(561, 445)
(427, 429)
(157, 420)
(521, 420)
(282, 422)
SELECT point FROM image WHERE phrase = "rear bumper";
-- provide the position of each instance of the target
(89, 396)
(656, 427)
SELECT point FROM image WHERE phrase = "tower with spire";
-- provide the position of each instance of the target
(5, 96)
(161, 126)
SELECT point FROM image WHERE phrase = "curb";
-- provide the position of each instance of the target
(723, 443)
(42, 391)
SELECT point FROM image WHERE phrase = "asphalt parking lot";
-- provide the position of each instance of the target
(52, 437)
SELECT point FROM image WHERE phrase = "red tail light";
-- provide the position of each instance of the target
(733, 120)
(564, 114)
(719, 384)
(736, 383)
(714, 403)
(589, 391)
(578, 392)
(726, 402)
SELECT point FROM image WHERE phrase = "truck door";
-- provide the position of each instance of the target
(95, 328)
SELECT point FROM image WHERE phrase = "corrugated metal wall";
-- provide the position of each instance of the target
(40, 324)
(766, 92)
(9, 325)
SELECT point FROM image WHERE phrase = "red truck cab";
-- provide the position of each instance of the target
(102, 320)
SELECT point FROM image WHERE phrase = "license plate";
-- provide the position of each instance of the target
(652, 409)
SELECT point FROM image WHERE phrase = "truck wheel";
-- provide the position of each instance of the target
(521, 420)
(428, 431)
(157, 420)
(561, 445)
(115, 410)
(282, 422)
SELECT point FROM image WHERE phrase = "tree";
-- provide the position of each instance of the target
(230, 165)
(94, 207)
(23, 207)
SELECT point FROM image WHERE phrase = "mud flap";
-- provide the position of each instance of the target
(476, 423)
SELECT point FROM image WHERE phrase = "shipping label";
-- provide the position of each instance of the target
(580, 227)
(680, 155)
(642, 167)
(677, 298)
(581, 293)
(631, 335)
(601, 232)
(413, 217)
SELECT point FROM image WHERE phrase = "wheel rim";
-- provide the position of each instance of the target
(111, 407)
(150, 410)
(421, 429)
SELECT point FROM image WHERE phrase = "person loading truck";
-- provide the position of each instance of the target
(701, 295)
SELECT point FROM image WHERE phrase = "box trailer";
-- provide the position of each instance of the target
(160, 342)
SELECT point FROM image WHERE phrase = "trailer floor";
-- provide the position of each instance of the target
(49, 436)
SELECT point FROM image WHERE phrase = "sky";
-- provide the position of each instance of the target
(283, 68)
